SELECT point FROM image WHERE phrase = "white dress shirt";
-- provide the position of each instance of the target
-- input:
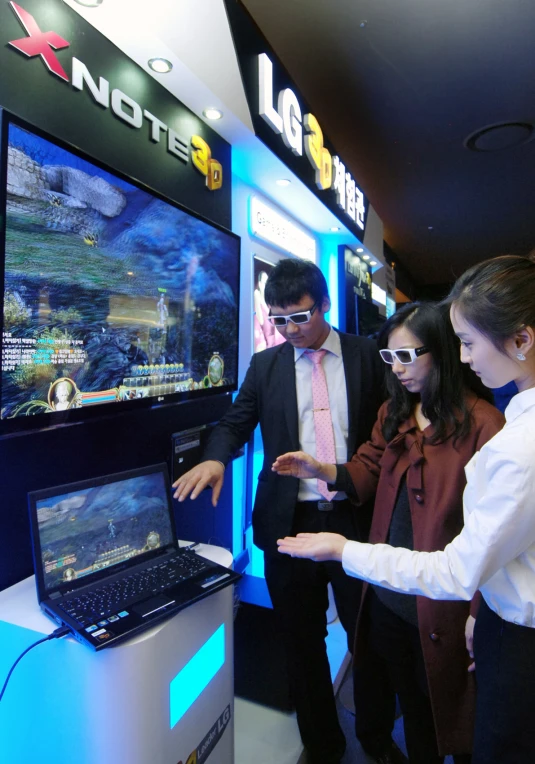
(333, 366)
(495, 551)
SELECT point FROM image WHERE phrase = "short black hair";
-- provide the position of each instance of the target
(291, 280)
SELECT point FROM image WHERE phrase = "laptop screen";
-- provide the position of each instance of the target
(97, 527)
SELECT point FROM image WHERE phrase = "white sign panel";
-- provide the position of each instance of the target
(271, 226)
(378, 294)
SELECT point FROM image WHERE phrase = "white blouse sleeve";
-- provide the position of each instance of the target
(499, 513)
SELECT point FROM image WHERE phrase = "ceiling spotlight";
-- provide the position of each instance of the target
(283, 182)
(365, 257)
(503, 135)
(160, 65)
(360, 249)
(212, 113)
(335, 228)
(373, 262)
(89, 3)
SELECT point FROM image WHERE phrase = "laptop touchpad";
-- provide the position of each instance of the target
(152, 605)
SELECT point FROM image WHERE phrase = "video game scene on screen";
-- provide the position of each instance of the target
(94, 529)
(111, 294)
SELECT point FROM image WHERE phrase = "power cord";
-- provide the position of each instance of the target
(57, 634)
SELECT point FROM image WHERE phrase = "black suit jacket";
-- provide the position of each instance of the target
(268, 397)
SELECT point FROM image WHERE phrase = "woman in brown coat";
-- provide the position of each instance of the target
(425, 434)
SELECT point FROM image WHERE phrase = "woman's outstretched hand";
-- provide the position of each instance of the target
(301, 465)
(296, 464)
(316, 546)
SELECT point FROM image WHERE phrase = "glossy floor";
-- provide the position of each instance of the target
(267, 736)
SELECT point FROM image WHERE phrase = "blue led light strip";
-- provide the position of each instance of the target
(196, 675)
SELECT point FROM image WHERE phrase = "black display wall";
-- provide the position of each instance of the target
(250, 42)
(29, 89)
(49, 100)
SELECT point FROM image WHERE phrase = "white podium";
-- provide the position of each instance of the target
(163, 697)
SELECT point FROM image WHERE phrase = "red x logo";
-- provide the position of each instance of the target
(39, 43)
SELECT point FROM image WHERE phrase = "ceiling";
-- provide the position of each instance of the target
(209, 75)
(398, 86)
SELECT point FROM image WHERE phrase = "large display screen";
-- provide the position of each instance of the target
(113, 297)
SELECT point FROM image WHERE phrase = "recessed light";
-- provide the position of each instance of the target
(335, 228)
(359, 250)
(283, 182)
(129, 273)
(212, 113)
(372, 262)
(503, 135)
(160, 65)
(89, 3)
(365, 257)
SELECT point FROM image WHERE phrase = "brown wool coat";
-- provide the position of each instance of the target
(435, 482)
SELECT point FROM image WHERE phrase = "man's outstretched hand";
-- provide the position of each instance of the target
(194, 481)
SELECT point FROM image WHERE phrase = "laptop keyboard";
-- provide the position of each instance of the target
(99, 603)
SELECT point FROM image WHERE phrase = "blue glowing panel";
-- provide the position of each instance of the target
(390, 306)
(196, 675)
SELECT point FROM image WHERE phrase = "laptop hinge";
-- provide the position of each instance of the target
(54, 596)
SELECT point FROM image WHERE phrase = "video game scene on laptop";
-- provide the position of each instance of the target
(111, 294)
(96, 528)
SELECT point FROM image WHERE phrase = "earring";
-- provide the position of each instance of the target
(521, 356)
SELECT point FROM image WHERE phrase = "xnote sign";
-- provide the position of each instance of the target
(303, 136)
(124, 107)
(39, 43)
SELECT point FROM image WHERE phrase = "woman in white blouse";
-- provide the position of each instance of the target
(493, 314)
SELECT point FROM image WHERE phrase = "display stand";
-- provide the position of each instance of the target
(65, 702)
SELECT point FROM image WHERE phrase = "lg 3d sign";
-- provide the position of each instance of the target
(44, 44)
(303, 133)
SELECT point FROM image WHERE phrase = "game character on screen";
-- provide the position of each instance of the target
(163, 312)
(62, 394)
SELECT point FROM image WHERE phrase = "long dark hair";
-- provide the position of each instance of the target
(443, 396)
(497, 297)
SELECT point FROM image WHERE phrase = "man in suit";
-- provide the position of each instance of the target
(277, 393)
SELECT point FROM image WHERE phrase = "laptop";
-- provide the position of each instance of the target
(107, 560)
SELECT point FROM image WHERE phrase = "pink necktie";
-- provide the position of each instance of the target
(325, 451)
